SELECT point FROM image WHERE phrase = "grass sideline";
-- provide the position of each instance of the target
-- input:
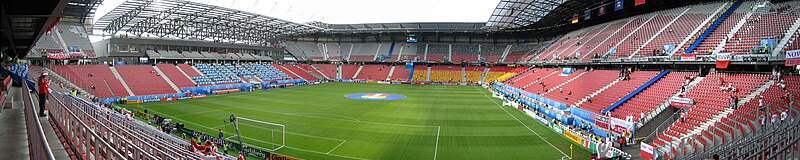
(433, 122)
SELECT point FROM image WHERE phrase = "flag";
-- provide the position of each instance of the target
(638, 2)
(587, 14)
(601, 10)
(575, 19)
(723, 60)
(618, 5)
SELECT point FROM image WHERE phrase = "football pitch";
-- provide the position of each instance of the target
(432, 122)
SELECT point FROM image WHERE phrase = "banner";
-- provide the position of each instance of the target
(601, 121)
(567, 71)
(688, 56)
(575, 19)
(620, 126)
(680, 102)
(557, 128)
(583, 114)
(275, 156)
(617, 5)
(638, 2)
(792, 58)
(723, 60)
(574, 137)
(646, 151)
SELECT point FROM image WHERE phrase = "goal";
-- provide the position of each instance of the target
(259, 134)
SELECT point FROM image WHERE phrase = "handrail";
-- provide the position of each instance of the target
(37, 141)
(661, 128)
(79, 121)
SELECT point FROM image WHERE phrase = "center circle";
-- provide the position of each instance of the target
(375, 96)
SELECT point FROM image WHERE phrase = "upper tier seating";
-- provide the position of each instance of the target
(598, 38)
(720, 33)
(619, 35)
(144, 80)
(616, 91)
(175, 75)
(757, 27)
(649, 98)
(97, 76)
(637, 39)
(582, 86)
(374, 72)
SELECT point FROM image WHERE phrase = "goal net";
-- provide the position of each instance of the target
(259, 134)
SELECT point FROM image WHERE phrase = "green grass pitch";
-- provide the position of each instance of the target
(433, 122)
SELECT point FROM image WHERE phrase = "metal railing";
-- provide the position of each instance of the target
(37, 141)
(660, 129)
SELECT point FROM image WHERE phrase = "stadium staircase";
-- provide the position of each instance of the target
(463, 74)
(638, 49)
(483, 76)
(184, 74)
(505, 54)
(357, 71)
(788, 36)
(714, 26)
(597, 92)
(119, 77)
(544, 77)
(635, 92)
(564, 83)
(699, 27)
(428, 74)
(628, 21)
(391, 71)
(665, 103)
(735, 29)
(630, 33)
(320, 71)
(285, 70)
(166, 78)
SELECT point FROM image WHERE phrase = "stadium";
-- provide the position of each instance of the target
(433, 79)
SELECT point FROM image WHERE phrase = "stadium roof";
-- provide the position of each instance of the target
(192, 20)
(25, 21)
(404, 27)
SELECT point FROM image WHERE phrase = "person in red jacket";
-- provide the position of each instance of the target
(43, 91)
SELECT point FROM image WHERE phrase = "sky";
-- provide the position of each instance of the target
(354, 11)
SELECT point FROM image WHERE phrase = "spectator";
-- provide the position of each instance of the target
(784, 114)
(44, 90)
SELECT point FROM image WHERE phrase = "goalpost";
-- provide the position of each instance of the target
(259, 134)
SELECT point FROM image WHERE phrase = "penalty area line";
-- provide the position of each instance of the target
(523, 124)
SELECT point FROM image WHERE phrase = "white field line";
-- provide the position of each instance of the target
(337, 146)
(520, 122)
(436, 150)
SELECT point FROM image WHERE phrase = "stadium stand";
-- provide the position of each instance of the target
(465, 53)
(678, 30)
(444, 73)
(474, 73)
(144, 80)
(580, 87)
(400, 73)
(551, 82)
(266, 72)
(302, 72)
(636, 39)
(365, 52)
(720, 33)
(175, 75)
(218, 73)
(349, 71)
(96, 79)
(437, 52)
(650, 98)
(328, 70)
(710, 102)
(75, 35)
(374, 72)
(616, 91)
(765, 23)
